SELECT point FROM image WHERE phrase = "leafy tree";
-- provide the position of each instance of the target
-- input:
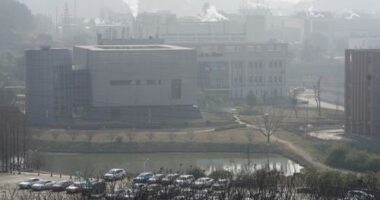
(16, 21)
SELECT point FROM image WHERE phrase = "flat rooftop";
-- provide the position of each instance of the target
(132, 47)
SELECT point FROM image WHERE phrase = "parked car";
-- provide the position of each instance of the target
(121, 194)
(143, 177)
(169, 179)
(221, 184)
(204, 182)
(358, 195)
(130, 195)
(42, 185)
(201, 194)
(27, 184)
(75, 188)
(115, 174)
(116, 194)
(94, 189)
(153, 189)
(169, 192)
(156, 179)
(184, 180)
(61, 186)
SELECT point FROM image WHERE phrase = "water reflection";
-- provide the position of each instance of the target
(170, 162)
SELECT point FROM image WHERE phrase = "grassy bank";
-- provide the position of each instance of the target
(349, 154)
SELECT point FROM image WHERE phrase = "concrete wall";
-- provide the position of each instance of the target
(362, 88)
(42, 67)
(161, 65)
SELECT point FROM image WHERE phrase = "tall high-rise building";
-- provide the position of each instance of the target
(362, 101)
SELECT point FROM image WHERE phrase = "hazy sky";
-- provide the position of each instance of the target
(90, 8)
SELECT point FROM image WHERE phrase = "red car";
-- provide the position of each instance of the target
(61, 186)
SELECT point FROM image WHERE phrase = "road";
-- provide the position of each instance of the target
(334, 134)
(11, 179)
(308, 96)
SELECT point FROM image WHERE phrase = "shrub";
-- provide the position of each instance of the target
(221, 174)
(119, 139)
(196, 172)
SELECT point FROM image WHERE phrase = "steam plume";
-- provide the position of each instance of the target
(133, 6)
(211, 14)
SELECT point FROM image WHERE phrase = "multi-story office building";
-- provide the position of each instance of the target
(362, 101)
(232, 70)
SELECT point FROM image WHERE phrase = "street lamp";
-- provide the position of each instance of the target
(146, 160)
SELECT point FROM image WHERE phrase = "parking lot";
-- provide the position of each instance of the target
(145, 186)
(116, 185)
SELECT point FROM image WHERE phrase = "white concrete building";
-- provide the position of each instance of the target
(142, 82)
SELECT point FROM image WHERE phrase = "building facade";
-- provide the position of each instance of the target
(150, 83)
(362, 98)
(125, 84)
(233, 70)
(45, 101)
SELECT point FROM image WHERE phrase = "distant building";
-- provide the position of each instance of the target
(364, 43)
(127, 84)
(121, 41)
(232, 70)
(362, 104)
(250, 28)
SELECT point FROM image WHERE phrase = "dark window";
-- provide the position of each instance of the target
(120, 82)
(151, 82)
(176, 89)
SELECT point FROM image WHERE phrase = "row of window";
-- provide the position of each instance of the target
(250, 48)
(176, 85)
(260, 79)
(258, 92)
(135, 82)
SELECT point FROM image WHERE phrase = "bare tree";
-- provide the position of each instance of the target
(172, 136)
(131, 136)
(73, 135)
(191, 135)
(37, 161)
(249, 136)
(150, 135)
(294, 95)
(55, 136)
(90, 137)
(210, 137)
(270, 121)
(317, 95)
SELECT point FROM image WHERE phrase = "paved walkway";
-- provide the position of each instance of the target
(335, 134)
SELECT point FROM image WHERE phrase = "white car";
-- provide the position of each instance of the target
(358, 195)
(204, 182)
(27, 184)
(184, 180)
(42, 185)
(115, 174)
